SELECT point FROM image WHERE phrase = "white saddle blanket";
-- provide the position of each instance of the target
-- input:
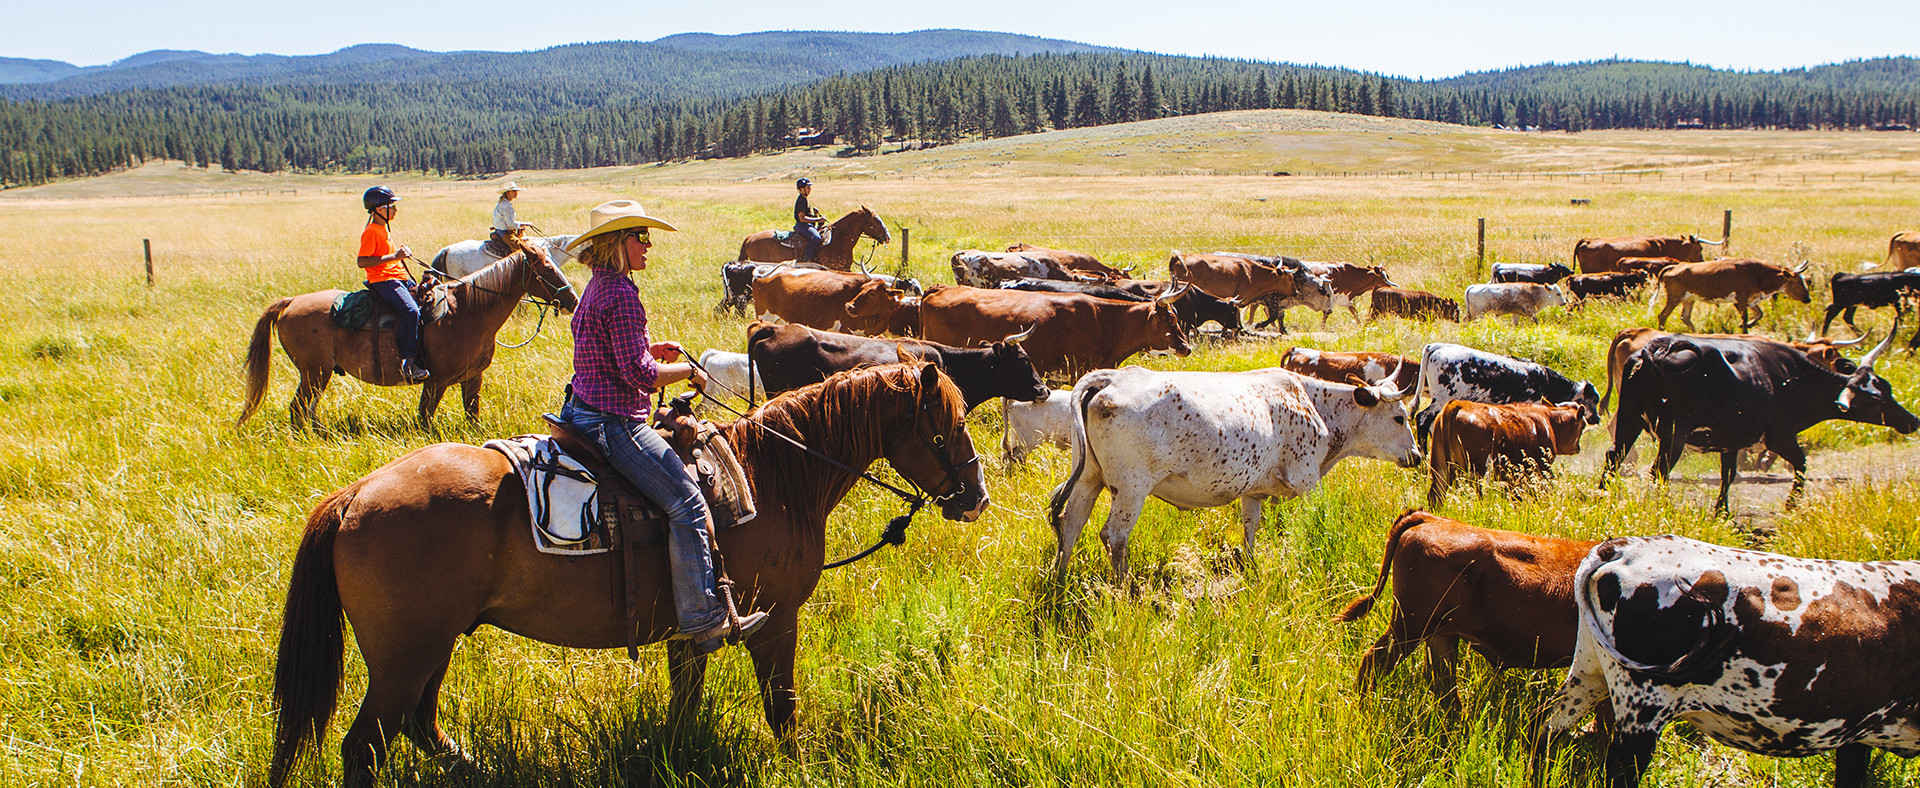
(560, 491)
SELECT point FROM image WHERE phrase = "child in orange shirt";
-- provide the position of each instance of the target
(387, 277)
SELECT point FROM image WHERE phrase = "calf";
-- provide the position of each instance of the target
(1743, 281)
(1347, 367)
(1412, 304)
(1029, 424)
(1619, 286)
(1771, 654)
(1449, 372)
(1519, 299)
(1345, 282)
(1872, 290)
(1509, 595)
(1531, 274)
(789, 357)
(732, 372)
(1512, 442)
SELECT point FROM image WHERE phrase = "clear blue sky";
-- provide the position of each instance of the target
(1418, 38)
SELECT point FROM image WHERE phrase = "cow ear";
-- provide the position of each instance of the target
(1365, 396)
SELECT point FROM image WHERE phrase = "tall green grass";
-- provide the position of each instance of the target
(145, 540)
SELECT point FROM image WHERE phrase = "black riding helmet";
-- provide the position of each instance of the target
(378, 196)
(802, 183)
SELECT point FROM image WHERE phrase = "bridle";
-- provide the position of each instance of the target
(542, 302)
(896, 530)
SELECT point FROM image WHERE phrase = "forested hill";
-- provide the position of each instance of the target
(627, 103)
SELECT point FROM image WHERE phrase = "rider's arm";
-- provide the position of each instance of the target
(627, 332)
(372, 240)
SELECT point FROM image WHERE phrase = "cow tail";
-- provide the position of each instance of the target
(1081, 451)
(1360, 607)
(260, 356)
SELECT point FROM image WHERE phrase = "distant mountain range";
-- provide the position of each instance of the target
(695, 62)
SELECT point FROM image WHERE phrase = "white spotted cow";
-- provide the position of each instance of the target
(1520, 299)
(1770, 654)
(1029, 424)
(1449, 372)
(1203, 439)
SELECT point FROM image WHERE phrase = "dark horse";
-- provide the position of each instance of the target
(437, 543)
(836, 253)
(458, 348)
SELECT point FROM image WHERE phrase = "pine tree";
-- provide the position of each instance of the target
(1149, 95)
(1121, 104)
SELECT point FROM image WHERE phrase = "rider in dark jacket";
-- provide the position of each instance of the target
(806, 221)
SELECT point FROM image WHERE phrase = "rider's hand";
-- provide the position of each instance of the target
(402, 253)
(666, 352)
(698, 380)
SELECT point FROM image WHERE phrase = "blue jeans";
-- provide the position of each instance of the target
(809, 234)
(398, 294)
(645, 459)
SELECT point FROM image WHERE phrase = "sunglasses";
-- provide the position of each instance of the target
(640, 234)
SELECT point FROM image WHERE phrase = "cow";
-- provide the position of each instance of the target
(1602, 255)
(1449, 372)
(898, 312)
(1348, 366)
(1510, 442)
(976, 268)
(1742, 280)
(1193, 305)
(1825, 352)
(1318, 299)
(1872, 290)
(1345, 282)
(1077, 262)
(1412, 305)
(1534, 274)
(1771, 654)
(1243, 278)
(1509, 595)
(1724, 395)
(789, 357)
(1029, 424)
(1903, 250)
(821, 299)
(1520, 299)
(1071, 334)
(1620, 286)
(736, 281)
(1651, 266)
(1204, 439)
(731, 372)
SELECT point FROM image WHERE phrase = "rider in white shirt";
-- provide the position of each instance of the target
(507, 226)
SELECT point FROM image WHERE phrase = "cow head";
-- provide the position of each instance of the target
(1868, 398)
(1795, 286)
(1379, 274)
(1383, 431)
(1012, 371)
(875, 308)
(1587, 398)
(1569, 421)
(1164, 331)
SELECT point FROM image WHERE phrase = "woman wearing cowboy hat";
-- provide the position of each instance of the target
(616, 369)
(506, 225)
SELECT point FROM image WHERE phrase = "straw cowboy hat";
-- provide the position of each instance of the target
(616, 215)
(510, 187)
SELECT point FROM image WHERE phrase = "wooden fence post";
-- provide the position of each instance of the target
(1726, 230)
(1481, 244)
(146, 244)
(906, 243)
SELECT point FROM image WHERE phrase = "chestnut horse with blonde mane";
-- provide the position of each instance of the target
(457, 348)
(437, 543)
(836, 253)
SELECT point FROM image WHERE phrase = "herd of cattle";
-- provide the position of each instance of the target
(1759, 651)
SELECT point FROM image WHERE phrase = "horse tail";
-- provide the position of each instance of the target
(259, 355)
(306, 674)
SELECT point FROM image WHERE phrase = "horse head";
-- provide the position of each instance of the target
(872, 227)
(549, 282)
(934, 451)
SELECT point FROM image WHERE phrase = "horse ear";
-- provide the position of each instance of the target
(929, 377)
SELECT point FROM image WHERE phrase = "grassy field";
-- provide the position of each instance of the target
(145, 540)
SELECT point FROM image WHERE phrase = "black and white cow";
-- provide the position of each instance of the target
(1533, 274)
(1513, 298)
(1767, 653)
(1449, 372)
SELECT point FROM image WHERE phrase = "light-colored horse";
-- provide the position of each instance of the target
(462, 258)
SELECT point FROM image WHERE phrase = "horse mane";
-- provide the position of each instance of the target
(491, 283)
(847, 416)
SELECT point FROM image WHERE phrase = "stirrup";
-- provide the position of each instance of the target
(731, 631)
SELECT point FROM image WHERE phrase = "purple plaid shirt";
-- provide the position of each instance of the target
(612, 369)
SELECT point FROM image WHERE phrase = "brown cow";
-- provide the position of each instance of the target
(1823, 351)
(1742, 280)
(821, 299)
(1345, 283)
(1412, 304)
(1512, 442)
(1650, 266)
(897, 310)
(1077, 262)
(1237, 278)
(1602, 255)
(1508, 594)
(1071, 333)
(1903, 251)
(1345, 367)
(1616, 286)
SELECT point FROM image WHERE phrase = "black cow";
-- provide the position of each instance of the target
(1450, 372)
(1620, 285)
(1871, 290)
(1724, 395)
(788, 357)
(1194, 307)
(1533, 274)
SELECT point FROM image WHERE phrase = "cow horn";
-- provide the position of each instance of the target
(865, 270)
(1802, 267)
(1397, 394)
(1015, 339)
(1851, 342)
(1866, 362)
(1169, 296)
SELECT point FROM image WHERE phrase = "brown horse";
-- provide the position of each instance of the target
(457, 348)
(836, 253)
(438, 542)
